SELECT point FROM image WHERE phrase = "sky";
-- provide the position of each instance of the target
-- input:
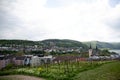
(81, 20)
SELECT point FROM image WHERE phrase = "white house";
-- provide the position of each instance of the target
(37, 61)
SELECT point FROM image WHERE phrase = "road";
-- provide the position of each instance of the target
(19, 77)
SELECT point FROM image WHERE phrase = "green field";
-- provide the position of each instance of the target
(109, 71)
(98, 70)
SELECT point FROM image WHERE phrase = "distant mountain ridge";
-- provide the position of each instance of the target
(63, 43)
(109, 45)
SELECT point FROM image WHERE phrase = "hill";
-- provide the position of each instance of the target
(16, 42)
(45, 43)
(109, 45)
(63, 43)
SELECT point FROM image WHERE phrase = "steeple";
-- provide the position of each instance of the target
(90, 51)
(96, 48)
(90, 47)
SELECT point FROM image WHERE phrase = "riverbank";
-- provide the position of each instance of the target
(115, 50)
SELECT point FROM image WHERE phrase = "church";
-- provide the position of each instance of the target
(93, 52)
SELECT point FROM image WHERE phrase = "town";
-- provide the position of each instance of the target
(25, 55)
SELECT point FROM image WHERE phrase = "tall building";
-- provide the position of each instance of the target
(90, 51)
(93, 52)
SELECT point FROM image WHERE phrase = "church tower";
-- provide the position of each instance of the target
(90, 51)
(96, 48)
(96, 51)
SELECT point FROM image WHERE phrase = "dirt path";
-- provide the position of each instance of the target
(19, 77)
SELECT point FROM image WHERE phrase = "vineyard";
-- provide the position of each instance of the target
(57, 71)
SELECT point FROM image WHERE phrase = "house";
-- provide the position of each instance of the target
(2, 55)
(20, 60)
(115, 56)
(4, 61)
(28, 59)
(37, 60)
(59, 59)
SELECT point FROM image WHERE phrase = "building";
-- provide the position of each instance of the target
(93, 52)
(37, 60)
(20, 60)
(4, 61)
(90, 51)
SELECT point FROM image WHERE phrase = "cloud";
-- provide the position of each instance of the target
(112, 20)
(113, 3)
(81, 20)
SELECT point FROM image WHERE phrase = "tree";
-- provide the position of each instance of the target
(20, 53)
(9, 66)
(105, 52)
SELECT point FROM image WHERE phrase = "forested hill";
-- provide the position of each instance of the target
(109, 45)
(16, 42)
(45, 43)
(62, 43)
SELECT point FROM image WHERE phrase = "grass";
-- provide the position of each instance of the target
(109, 71)
(98, 70)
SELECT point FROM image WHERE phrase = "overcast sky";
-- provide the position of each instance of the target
(82, 20)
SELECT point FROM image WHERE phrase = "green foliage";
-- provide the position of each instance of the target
(20, 53)
(109, 71)
(9, 66)
(59, 71)
(53, 53)
(63, 43)
(105, 52)
(16, 42)
(37, 52)
(44, 43)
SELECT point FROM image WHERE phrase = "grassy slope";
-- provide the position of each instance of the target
(109, 71)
